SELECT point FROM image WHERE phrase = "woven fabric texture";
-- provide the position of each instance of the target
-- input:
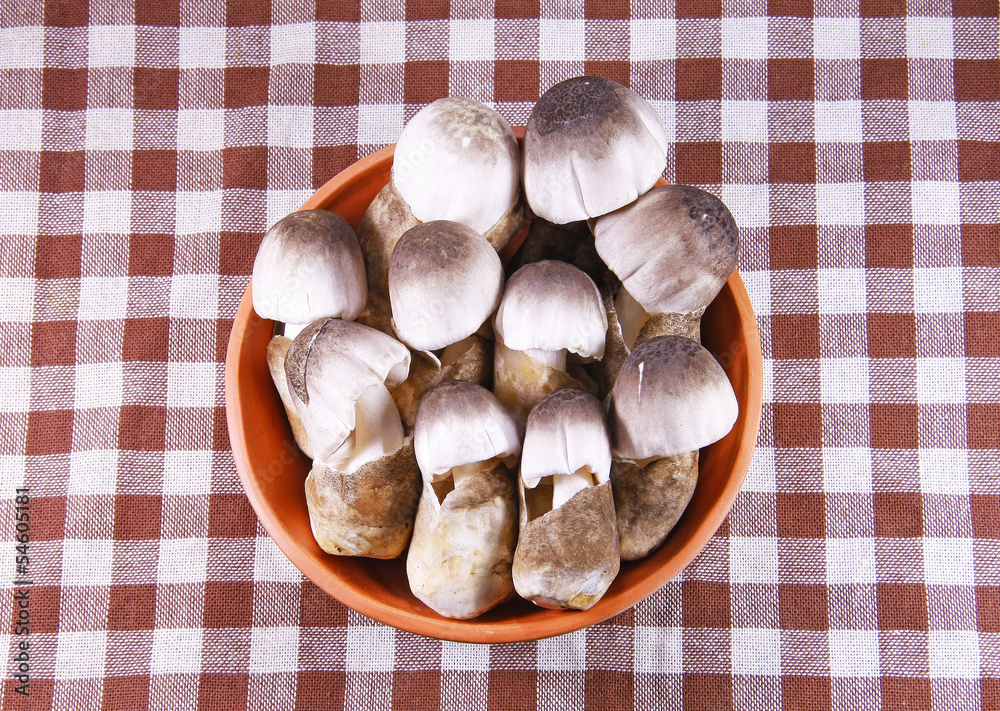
(146, 146)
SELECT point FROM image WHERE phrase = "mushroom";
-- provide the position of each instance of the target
(673, 249)
(456, 159)
(591, 146)
(364, 484)
(459, 562)
(445, 281)
(671, 398)
(309, 266)
(549, 309)
(567, 551)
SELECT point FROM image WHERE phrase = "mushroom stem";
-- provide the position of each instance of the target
(552, 359)
(631, 316)
(638, 325)
(565, 486)
(377, 431)
(291, 330)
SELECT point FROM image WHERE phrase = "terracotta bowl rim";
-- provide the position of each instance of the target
(513, 630)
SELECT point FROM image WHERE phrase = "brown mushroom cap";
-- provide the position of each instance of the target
(673, 248)
(671, 397)
(309, 266)
(591, 145)
(444, 281)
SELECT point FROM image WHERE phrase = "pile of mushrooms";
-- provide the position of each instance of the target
(518, 432)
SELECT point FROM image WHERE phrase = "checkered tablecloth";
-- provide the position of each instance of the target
(144, 149)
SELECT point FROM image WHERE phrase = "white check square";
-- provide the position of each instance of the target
(290, 126)
(940, 381)
(187, 473)
(93, 473)
(659, 650)
(757, 652)
(176, 651)
(842, 291)
(20, 130)
(562, 40)
(191, 384)
(370, 649)
(953, 654)
(107, 212)
(845, 381)
(744, 38)
(944, 471)
(201, 48)
(111, 46)
(109, 130)
(762, 474)
(293, 43)
(749, 204)
(201, 129)
(837, 38)
(652, 40)
(933, 121)
(949, 561)
(198, 211)
(936, 203)
(838, 122)
(282, 202)
(383, 42)
(938, 290)
(854, 653)
(840, 203)
(565, 653)
(850, 561)
(182, 560)
(87, 562)
(930, 37)
(20, 214)
(103, 298)
(753, 560)
(461, 656)
(379, 123)
(744, 121)
(274, 650)
(22, 47)
(271, 565)
(98, 385)
(80, 655)
(471, 40)
(847, 470)
(194, 296)
(15, 389)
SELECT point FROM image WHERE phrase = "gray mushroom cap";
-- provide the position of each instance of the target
(551, 306)
(309, 266)
(461, 423)
(671, 397)
(591, 145)
(458, 159)
(444, 282)
(673, 248)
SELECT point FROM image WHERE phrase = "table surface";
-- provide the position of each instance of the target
(145, 148)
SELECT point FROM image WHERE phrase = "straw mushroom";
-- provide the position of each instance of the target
(308, 266)
(445, 281)
(673, 249)
(549, 310)
(459, 561)
(456, 159)
(591, 146)
(567, 551)
(671, 398)
(364, 484)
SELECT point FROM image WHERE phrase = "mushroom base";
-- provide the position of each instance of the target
(567, 558)
(649, 501)
(520, 382)
(459, 562)
(277, 349)
(369, 512)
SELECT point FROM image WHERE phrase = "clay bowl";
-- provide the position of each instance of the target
(273, 470)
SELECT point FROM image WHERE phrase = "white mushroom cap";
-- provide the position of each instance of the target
(591, 145)
(329, 366)
(309, 266)
(673, 248)
(444, 281)
(670, 397)
(566, 438)
(551, 306)
(458, 159)
(460, 423)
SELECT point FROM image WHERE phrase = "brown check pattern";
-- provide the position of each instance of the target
(146, 146)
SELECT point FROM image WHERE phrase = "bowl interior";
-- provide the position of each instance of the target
(273, 470)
